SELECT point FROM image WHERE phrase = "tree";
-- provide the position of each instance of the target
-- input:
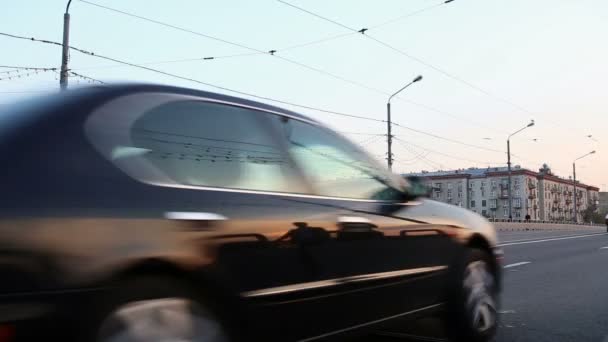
(591, 214)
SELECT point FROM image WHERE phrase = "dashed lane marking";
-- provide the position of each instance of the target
(521, 242)
(517, 264)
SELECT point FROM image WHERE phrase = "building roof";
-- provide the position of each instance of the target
(501, 171)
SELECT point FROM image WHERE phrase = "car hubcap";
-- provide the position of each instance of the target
(479, 284)
(167, 319)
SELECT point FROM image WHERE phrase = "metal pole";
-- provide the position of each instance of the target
(389, 139)
(509, 168)
(574, 179)
(63, 76)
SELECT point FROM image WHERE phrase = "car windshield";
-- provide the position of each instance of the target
(291, 170)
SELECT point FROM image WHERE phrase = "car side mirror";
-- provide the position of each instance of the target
(416, 188)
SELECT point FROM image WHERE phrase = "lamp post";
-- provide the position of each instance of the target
(574, 182)
(388, 121)
(509, 166)
(63, 76)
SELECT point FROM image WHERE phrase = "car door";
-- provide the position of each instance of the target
(215, 172)
(379, 263)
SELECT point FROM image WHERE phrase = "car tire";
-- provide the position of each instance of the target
(151, 308)
(472, 313)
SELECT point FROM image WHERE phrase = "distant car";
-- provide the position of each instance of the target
(148, 213)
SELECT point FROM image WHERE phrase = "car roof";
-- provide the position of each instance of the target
(128, 88)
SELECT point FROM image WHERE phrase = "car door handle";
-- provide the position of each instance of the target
(355, 224)
(194, 216)
(193, 221)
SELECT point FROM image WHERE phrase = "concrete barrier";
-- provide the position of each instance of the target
(522, 226)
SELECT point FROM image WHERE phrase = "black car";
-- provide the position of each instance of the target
(149, 213)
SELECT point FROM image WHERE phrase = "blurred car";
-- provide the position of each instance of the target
(149, 213)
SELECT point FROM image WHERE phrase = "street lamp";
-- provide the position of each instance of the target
(574, 181)
(388, 120)
(63, 76)
(509, 165)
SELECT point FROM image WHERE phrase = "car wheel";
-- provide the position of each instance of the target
(472, 306)
(156, 309)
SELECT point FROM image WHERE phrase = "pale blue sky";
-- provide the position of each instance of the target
(547, 56)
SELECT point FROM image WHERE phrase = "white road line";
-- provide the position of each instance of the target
(517, 264)
(604, 247)
(521, 242)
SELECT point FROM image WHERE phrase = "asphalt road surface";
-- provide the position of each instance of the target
(555, 289)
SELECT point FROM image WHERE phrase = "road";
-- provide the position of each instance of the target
(555, 289)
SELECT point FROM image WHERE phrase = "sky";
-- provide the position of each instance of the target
(488, 67)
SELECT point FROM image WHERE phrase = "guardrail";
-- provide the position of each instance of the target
(547, 226)
(550, 222)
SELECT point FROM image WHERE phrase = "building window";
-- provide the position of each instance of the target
(459, 186)
(484, 212)
(472, 204)
(483, 184)
(493, 194)
(493, 183)
(505, 212)
(459, 194)
(517, 202)
(483, 203)
(449, 186)
(493, 204)
(516, 193)
(483, 192)
(437, 195)
(471, 184)
(449, 193)
(472, 193)
(517, 214)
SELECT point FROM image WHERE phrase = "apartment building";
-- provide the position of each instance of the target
(541, 194)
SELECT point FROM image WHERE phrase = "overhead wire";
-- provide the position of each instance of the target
(86, 78)
(89, 53)
(369, 140)
(196, 59)
(26, 67)
(404, 16)
(22, 73)
(243, 46)
(445, 154)
(275, 52)
(437, 69)
(448, 139)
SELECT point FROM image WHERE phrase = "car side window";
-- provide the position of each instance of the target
(334, 166)
(197, 143)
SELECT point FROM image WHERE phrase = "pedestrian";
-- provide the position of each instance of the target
(606, 218)
(527, 217)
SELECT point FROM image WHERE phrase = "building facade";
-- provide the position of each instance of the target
(541, 195)
(603, 205)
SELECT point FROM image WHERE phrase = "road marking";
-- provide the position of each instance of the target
(604, 247)
(506, 311)
(517, 264)
(410, 336)
(521, 242)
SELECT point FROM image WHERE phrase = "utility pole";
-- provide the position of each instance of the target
(63, 76)
(509, 172)
(389, 139)
(389, 136)
(574, 180)
(509, 167)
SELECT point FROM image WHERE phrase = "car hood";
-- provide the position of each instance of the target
(434, 212)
